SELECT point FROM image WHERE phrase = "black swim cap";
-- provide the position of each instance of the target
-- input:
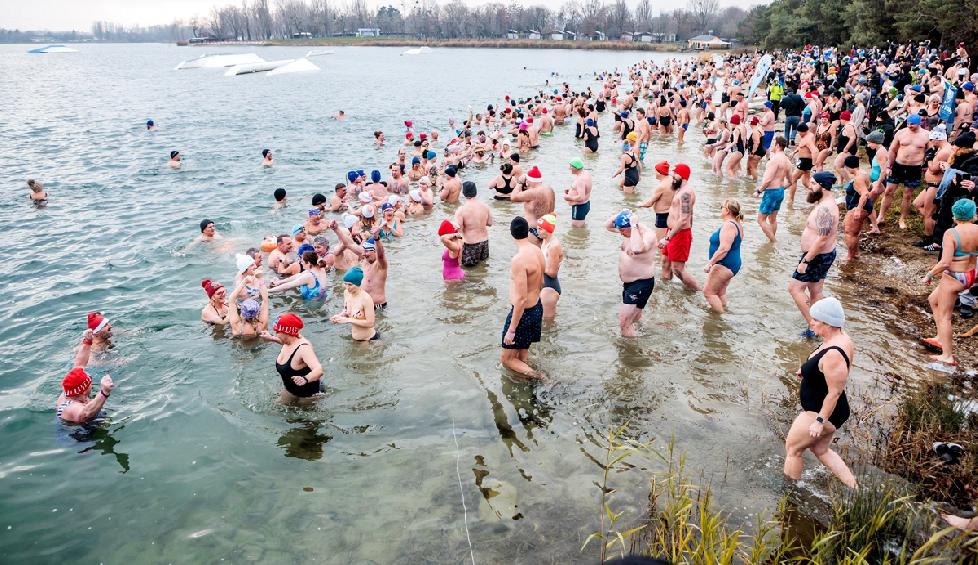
(264, 152)
(204, 223)
(852, 162)
(514, 157)
(518, 228)
(174, 154)
(468, 189)
(318, 199)
(279, 194)
(802, 127)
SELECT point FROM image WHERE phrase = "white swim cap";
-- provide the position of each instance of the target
(829, 311)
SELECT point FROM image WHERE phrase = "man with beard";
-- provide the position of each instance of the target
(817, 245)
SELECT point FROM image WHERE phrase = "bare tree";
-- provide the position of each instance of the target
(704, 13)
(643, 15)
(619, 19)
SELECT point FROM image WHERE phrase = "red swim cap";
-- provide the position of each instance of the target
(445, 228)
(682, 170)
(76, 382)
(288, 324)
(96, 322)
(210, 287)
(662, 168)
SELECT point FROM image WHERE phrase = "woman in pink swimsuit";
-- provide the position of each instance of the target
(452, 240)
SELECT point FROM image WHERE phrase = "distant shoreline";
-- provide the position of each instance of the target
(463, 43)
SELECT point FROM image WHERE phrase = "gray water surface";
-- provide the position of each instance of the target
(196, 462)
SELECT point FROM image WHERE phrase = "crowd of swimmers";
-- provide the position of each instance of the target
(857, 126)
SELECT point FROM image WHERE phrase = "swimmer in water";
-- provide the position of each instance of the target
(340, 116)
(553, 254)
(636, 268)
(379, 138)
(266, 158)
(249, 318)
(207, 231)
(452, 240)
(523, 325)
(338, 201)
(150, 125)
(579, 194)
(315, 224)
(281, 200)
(311, 283)
(474, 218)
(823, 397)
(38, 196)
(73, 404)
(216, 311)
(175, 160)
(100, 336)
(358, 308)
(296, 363)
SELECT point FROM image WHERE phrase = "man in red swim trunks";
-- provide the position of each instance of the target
(677, 241)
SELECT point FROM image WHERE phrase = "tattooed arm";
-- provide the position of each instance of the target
(825, 228)
(685, 215)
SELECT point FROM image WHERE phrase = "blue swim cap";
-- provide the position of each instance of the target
(416, 161)
(375, 175)
(964, 210)
(150, 122)
(351, 176)
(303, 248)
(589, 122)
(624, 113)
(250, 309)
(623, 219)
(913, 120)
(354, 276)
(768, 104)
(360, 173)
(825, 179)
(430, 155)
(370, 245)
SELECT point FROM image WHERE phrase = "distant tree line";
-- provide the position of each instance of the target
(790, 23)
(256, 20)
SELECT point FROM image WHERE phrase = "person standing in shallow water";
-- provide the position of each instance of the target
(296, 363)
(636, 267)
(818, 242)
(524, 323)
(823, 398)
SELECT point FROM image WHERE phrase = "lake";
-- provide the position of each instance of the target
(197, 462)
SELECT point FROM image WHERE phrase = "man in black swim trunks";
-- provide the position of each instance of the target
(805, 152)
(907, 153)
(818, 242)
(523, 324)
(636, 267)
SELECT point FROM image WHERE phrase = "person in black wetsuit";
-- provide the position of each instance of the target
(296, 363)
(823, 398)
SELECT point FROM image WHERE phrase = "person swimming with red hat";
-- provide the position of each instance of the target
(216, 310)
(74, 405)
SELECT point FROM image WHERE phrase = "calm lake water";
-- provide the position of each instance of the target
(196, 462)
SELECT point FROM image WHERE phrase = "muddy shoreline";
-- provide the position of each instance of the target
(889, 269)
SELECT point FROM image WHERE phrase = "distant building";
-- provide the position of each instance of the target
(368, 32)
(627, 36)
(302, 35)
(707, 42)
(570, 36)
(655, 37)
(555, 35)
(533, 34)
(512, 34)
(598, 36)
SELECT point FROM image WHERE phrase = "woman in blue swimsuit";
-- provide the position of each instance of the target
(311, 282)
(724, 260)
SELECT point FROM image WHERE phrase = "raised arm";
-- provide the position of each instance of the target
(84, 353)
(347, 241)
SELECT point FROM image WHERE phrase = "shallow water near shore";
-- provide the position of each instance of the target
(197, 462)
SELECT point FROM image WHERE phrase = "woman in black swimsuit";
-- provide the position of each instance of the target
(503, 184)
(823, 398)
(629, 166)
(591, 135)
(297, 363)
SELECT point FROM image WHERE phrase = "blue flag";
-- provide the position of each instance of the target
(948, 109)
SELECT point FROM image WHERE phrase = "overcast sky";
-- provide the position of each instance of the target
(58, 15)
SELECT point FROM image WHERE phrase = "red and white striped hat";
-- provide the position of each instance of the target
(96, 322)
